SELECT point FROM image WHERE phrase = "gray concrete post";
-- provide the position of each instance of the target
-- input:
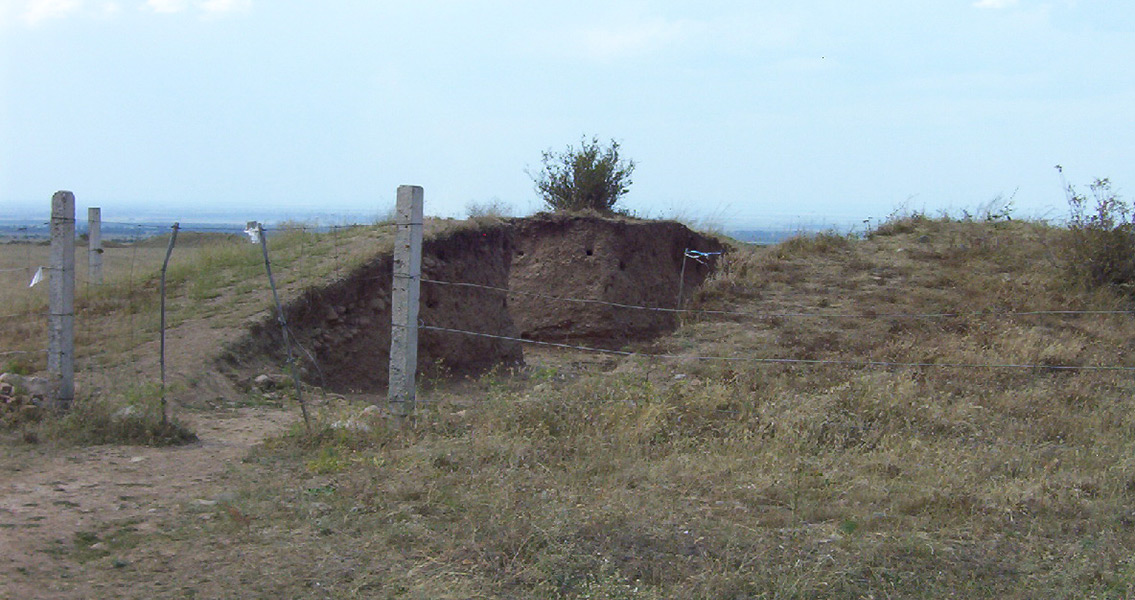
(61, 293)
(94, 245)
(404, 300)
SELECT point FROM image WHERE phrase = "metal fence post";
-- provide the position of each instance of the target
(404, 300)
(61, 293)
(162, 360)
(293, 370)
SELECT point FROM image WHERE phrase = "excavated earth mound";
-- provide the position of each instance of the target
(516, 274)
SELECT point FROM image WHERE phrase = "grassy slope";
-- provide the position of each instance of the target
(713, 479)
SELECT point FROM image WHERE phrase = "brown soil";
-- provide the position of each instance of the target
(55, 506)
(342, 328)
(62, 510)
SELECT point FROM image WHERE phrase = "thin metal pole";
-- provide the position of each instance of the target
(283, 326)
(165, 265)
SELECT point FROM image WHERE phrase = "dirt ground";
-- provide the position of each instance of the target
(67, 511)
(56, 507)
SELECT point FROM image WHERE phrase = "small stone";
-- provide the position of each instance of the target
(125, 412)
(373, 411)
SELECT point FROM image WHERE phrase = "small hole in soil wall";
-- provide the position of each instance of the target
(622, 266)
(590, 252)
(520, 253)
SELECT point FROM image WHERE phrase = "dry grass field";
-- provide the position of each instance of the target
(894, 415)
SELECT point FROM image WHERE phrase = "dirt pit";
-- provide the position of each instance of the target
(548, 278)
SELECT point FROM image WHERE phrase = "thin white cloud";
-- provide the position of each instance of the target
(38, 11)
(995, 4)
(218, 7)
(209, 8)
(637, 38)
(167, 6)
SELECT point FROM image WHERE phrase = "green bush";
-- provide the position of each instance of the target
(586, 178)
(1101, 237)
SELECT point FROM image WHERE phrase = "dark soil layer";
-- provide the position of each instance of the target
(624, 262)
(343, 328)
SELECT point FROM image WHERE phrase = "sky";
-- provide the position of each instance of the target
(737, 113)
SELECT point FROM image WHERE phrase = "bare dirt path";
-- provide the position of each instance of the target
(57, 504)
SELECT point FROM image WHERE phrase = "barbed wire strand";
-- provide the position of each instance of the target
(31, 315)
(775, 315)
(788, 361)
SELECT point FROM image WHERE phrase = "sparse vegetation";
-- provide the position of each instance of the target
(685, 478)
(492, 208)
(590, 177)
(1100, 249)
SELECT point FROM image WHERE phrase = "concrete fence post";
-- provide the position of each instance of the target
(94, 245)
(61, 303)
(404, 300)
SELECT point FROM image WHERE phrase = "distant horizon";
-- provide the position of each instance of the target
(324, 217)
(734, 112)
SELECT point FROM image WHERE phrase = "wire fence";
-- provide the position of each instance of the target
(779, 315)
(117, 322)
(783, 361)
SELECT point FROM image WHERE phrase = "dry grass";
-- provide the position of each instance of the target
(680, 478)
(216, 283)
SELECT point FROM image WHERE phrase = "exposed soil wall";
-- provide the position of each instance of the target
(617, 261)
(345, 325)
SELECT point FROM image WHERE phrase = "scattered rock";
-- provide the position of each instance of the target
(351, 424)
(126, 412)
(36, 388)
(374, 411)
(266, 383)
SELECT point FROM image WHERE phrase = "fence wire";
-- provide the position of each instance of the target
(786, 361)
(779, 315)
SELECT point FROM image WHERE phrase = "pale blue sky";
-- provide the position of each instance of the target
(738, 112)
